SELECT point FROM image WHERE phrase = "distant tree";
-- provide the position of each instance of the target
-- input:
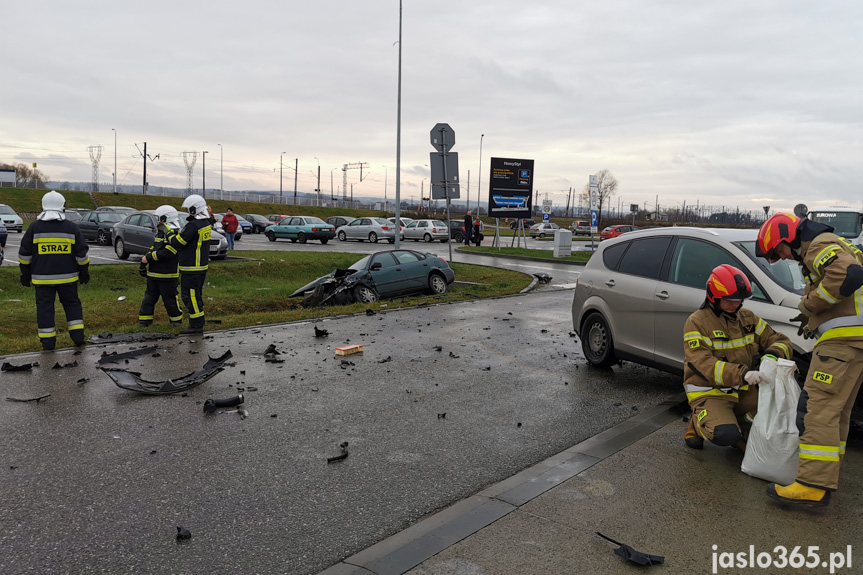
(607, 186)
(25, 175)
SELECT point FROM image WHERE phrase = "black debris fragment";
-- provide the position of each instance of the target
(23, 367)
(487, 368)
(242, 372)
(274, 360)
(438, 348)
(107, 337)
(441, 415)
(543, 331)
(519, 424)
(29, 399)
(251, 388)
(274, 415)
(386, 359)
(271, 350)
(631, 554)
(115, 357)
(542, 277)
(321, 332)
(156, 355)
(451, 354)
(131, 380)
(212, 405)
(83, 380)
(59, 365)
(342, 455)
(183, 534)
(371, 312)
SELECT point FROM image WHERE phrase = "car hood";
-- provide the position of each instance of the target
(335, 274)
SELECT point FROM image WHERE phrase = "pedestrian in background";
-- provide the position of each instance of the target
(468, 228)
(230, 224)
(477, 231)
(53, 257)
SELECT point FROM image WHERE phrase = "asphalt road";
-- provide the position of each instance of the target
(444, 401)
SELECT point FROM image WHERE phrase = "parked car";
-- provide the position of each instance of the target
(276, 218)
(74, 214)
(118, 209)
(527, 223)
(636, 292)
(580, 228)
(96, 226)
(301, 229)
(371, 229)
(136, 233)
(4, 235)
(614, 231)
(542, 230)
(259, 222)
(238, 234)
(11, 219)
(427, 230)
(404, 221)
(380, 275)
(339, 221)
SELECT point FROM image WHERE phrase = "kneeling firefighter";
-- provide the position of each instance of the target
(159, 266)
(723, 345)
(193, 253)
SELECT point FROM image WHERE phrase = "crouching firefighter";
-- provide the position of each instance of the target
(159, 266)
(193, 254)
(53, 257)
(723, 345)
(831, 310)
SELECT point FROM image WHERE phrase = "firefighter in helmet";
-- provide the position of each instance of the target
(53, 257)
(723, 344)
(831, 312)
(159, 266)
(193, 253)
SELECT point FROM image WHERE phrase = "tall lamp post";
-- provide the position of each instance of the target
(115, 159)
(399, 133)
(280, 175)
(204, 172)
(221, 173)
(386, 179)
(318, 189)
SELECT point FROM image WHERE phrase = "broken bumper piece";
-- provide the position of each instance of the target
(130, 380)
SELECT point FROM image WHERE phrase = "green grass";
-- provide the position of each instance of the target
(525, 252)
(244, 293)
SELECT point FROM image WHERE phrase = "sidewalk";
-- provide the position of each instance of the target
(639, 485)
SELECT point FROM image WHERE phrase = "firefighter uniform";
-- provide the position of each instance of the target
(719, 348)
(192, 244)
(53, 257)
(833, 269)
(163, 278)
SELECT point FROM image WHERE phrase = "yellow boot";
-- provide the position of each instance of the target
(799, 494)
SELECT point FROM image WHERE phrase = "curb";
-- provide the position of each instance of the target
(526, 258)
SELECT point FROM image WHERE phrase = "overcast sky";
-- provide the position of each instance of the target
(734, 103)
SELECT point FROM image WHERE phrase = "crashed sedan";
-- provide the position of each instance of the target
(380, 275)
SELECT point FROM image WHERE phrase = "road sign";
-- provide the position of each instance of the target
(633, 208)
(436, 161)
(510, 188)
(442, 137)
(546, 206)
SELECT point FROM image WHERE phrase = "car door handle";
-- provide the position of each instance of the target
(663, 295)
(610, 283)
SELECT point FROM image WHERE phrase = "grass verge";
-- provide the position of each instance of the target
(237, 294)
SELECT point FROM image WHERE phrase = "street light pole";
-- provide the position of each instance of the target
(221, 173)
(318, 189)
(280, 176)
(204, 171)
(399, 134)
(386, 179)
(296, 167)
(115, 159)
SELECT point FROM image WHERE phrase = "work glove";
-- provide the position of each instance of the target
(804, 324)
(754, 377)
(25, 280)
(142, 270)
(84, 276)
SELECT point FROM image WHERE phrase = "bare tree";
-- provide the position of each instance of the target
(25, 175)
(607, 186)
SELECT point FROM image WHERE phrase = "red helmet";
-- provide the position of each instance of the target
(727, 282)
(776, 229)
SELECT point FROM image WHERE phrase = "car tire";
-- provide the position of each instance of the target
(392, 240)
(597, 342)
(542, 236)
(458, 237)
(343, 237)
(102, 238)
(301, 237)
(120, 249)
(428, 239)
(365, 294)
(324, 240)
(443, 241)
(437, 284)
(271, 236)
(373, 237)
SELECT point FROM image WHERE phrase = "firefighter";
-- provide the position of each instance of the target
(159, 266)
(193, 256)
(723, 344)
(831, 311)
(53, 257)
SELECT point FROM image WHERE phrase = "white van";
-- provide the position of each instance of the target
(11, 219)
(845, 221)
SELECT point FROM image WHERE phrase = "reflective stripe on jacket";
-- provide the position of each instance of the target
(193, 246)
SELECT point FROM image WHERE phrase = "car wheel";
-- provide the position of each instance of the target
(541, 236)
(365, 294)
(373, 237)
(301, 237)
(427, 238)
(102, 238)
(437, 284)
(324, 240)
(392, 240)
(271, 236)
(596, 341)
(120, 249)
(459, 237)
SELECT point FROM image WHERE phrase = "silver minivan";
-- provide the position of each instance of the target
(636, 292)
(371, 229)
(11, 219)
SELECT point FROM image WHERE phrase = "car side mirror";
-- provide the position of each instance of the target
(376, 266)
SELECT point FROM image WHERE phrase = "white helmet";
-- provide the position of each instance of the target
(197, 206)
(168, 215)
(53, 205)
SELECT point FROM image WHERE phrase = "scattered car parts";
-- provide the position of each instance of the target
(131, 380)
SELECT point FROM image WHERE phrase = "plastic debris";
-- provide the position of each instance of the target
(386, 359)
(23, 367)
(321, 332)
(115, 357)
(271, 350)
(342, 455)
(108, 337)
(59, 365)
(211, 405)
(183, 534)
(29, 399)
(631, 554)
(131, 380)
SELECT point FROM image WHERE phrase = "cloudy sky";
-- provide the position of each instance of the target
(734, 103)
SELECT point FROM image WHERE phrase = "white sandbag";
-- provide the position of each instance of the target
(772, 448)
